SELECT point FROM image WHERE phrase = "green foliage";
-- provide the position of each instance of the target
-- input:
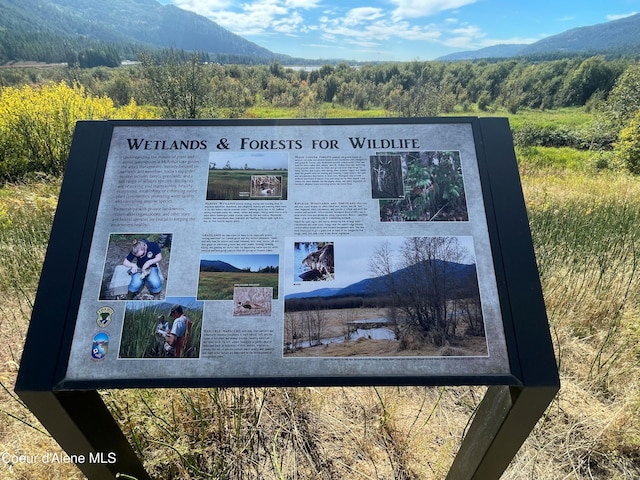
(94, 57)
(561, 159)
(530, 134)
(628, 146)
(182, 85)
(433, 190)
(37, 123)
(484, 101)
(593, 75)
(180, 88)
(624, 100)
(52, 48)
(187, 85)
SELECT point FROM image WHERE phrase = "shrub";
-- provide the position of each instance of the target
(531, 135)
(628, 146)
(484, 101)
(37, 123)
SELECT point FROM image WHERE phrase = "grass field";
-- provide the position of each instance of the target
(327, 110)
(585, 230)
(220, 285)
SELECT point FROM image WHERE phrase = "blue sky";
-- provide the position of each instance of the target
(400, 30)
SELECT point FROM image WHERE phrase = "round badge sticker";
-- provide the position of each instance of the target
(100, 346)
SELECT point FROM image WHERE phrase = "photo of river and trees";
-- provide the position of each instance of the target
(387, 297)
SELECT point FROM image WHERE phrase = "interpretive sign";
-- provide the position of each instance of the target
(294, 249)
(290, 252)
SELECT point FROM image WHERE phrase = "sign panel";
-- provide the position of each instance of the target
(256, 250)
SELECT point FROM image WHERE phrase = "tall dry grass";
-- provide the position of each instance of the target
(585, 229)
(26, 214)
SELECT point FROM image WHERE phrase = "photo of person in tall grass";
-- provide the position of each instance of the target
(147, 331)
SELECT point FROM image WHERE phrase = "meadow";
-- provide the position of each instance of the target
(221, 285)
(584, 224)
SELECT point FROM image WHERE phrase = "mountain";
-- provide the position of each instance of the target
(217, 266)
(461, 276)
(609, 37)
(321, 292)
(505, 50)
(138, 22)
(617, 37)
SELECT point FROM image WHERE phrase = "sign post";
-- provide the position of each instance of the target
(289, 253)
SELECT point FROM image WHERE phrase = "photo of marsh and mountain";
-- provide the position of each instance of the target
(221, 275)
(248, 176)
(393, 297)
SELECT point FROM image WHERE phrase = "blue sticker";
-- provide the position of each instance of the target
(100, 346)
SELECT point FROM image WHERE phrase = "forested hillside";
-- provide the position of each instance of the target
(102, 33)
(616, 38)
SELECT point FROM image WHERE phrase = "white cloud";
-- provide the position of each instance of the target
(425, 8)
(203, 7)
(289, 25)
(304, 4)
(266, 9)
(417, 33)
(618, 17)
(464, 37)
(251, 18)
(369, 26)
(342, 27)
(356, 16)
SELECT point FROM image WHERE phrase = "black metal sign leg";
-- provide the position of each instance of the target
(502, 423)
(83, 426)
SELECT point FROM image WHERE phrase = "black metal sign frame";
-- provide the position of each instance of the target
(70, 409)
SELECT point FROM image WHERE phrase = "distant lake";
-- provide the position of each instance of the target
(305, 68)
(311, 68)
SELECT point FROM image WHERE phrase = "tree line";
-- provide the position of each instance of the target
(407, 88)
(177, 84)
